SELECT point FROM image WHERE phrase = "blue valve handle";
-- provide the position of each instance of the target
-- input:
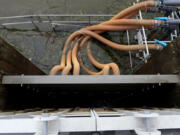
(161, 18)
(161, 42)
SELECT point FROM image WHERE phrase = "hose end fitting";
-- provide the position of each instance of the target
(159, 47)
(157, 3)
(160, 44)
(159, 23)
(174, 3)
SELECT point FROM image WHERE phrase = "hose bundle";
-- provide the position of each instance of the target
(71, 57)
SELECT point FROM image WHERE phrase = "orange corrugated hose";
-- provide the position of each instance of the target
(119, 22)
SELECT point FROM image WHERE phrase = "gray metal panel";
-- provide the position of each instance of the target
(84, 79)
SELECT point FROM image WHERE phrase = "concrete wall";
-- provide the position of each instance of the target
(12, 62)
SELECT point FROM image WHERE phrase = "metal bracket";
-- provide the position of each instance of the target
(139, 37)
(174, 33)
(44, 120)
(147, 124)
(95, 116)
(142, 39)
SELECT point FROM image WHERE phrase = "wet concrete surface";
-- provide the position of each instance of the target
(22, 7)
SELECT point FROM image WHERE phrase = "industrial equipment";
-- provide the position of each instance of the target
(145, 103)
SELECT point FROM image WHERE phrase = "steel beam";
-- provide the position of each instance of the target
(84, 79)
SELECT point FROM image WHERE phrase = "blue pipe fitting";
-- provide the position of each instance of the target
(161, 43)
(161, 18)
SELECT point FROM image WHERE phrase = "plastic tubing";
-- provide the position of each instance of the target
(60, 67)
(104, 71)
(127, 13)
(133, 22)
(74, 35)
(138, 6)
(76, 65)
(115, 28)
(115, 45)
(123, 13)
(68, 66)
(114, 66)
(143, 7)
(88, 37)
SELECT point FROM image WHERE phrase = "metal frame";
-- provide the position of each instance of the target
(174, 34)
(48, 18)
(142, 38)
(85, 79)
(94, 120)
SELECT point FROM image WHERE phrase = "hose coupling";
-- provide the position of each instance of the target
(173, 21)
(167, 22)
(159, 23)
(161, 18)
(168, 6)
(157, 3)
(160, 44)
(171, 2)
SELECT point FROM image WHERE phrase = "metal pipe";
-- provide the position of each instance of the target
(173, 22)
(56, 15)
(171, 2)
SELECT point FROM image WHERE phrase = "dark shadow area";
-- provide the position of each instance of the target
(125, 132)
(65, 96)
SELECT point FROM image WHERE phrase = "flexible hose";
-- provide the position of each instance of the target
(68, 66)
(60, 67)
(115, 45)
(115, 28)
(138, 6)
(130, 22)
(76, 65)
(119, 22)
(114, 66)
(74, 35)
(87, 37)
(104, 71)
